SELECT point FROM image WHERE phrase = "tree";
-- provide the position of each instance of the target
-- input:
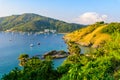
(23, 59)
(73, 48)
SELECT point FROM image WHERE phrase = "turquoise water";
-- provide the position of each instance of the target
(13, 44)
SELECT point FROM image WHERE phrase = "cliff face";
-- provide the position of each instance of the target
(93, 35)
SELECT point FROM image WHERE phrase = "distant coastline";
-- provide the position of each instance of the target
(62, 33)
(32, 32)
(30, 22)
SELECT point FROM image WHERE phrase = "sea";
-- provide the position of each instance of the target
(12, 44)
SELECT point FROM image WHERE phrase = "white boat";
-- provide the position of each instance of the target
(31, 45)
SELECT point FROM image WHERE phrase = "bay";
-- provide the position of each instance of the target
(14, 44)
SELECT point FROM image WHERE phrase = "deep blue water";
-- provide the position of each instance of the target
(13, 44)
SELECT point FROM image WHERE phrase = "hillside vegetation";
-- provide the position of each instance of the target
(93, 35)
(30, 22)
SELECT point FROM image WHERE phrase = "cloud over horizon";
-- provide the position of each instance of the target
(91, 17)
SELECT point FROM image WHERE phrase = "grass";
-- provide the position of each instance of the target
(89, 35)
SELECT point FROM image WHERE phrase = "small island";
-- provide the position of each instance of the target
(56, 54)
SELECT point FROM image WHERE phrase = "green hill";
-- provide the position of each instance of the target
(93, 35)
(30, 22)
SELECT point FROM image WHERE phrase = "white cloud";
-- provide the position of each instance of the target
(91, 17)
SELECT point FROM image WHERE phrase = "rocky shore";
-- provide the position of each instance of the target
(56, 54)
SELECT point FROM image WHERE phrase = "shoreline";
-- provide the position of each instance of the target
(29, 32)
(62, 33)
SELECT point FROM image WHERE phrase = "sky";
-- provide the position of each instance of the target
(72, 11)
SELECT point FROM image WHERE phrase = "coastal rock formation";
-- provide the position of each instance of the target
(56, 54)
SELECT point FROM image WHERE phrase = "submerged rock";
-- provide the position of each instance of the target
(56, 54)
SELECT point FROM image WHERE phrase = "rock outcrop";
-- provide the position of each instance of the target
(56, 54)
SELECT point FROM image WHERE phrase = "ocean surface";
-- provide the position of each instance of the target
(13, 44)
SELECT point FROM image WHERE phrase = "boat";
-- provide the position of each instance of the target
(10, 39)
(31, 45)
(38, 43)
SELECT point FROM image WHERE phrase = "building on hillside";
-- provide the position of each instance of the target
(46, 30)
(53, 31)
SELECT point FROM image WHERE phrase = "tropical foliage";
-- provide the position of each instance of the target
(111, 28)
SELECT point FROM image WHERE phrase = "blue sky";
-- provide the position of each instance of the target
(79, 11)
